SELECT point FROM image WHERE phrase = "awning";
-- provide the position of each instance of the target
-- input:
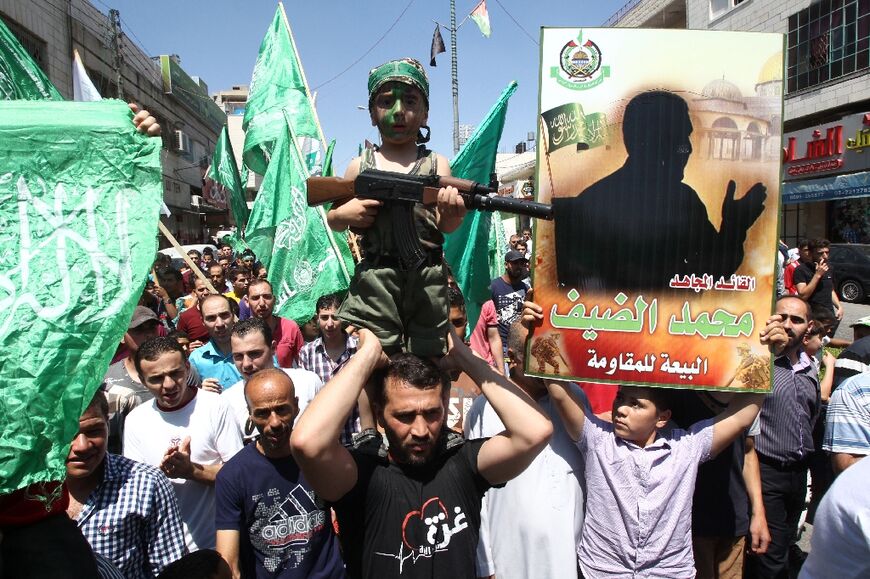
(827, 188)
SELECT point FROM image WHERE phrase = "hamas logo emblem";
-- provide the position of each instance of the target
(580, 65)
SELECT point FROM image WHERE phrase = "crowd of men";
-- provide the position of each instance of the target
(226, 441)
(228, 430)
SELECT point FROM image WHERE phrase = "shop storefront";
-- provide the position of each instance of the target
(826, 182)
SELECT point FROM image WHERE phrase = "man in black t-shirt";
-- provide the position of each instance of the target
(413, 510)
(814, 281)
(509, 291)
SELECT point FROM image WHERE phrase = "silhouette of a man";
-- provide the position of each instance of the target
(637, 227)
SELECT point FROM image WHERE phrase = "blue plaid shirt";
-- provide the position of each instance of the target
(314, 358)
(132, 518)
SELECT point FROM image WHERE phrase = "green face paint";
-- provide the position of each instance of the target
(388, 106)
(390, 116)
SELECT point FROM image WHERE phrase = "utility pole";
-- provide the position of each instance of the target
(117, 57)
(454, 76)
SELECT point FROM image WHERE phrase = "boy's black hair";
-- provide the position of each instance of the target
(328, 301)
(253, 326)
(178, 335)
(153, 348)
(455, 298)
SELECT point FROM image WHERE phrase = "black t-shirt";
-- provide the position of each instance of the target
(415, 522)
(508, 299)
(822, 296)
(720, 507)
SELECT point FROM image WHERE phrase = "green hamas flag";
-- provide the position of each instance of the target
(467, 248)
(225, 173)
(279, 83)
(20, 77)
(305, 259)
(80, 193)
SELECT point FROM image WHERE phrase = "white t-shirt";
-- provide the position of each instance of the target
(214, 439)
(531, 526)
(307, 385)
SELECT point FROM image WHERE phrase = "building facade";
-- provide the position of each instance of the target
(51, 29)
(826, 84)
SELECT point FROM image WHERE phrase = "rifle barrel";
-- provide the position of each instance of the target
(511, 205)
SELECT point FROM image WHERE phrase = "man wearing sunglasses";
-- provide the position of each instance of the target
(785, 441)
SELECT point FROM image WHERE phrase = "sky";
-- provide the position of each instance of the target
(340, 41)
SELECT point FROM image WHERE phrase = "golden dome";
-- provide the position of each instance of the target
(772, 69)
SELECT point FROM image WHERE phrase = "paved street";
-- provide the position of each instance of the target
(853, 313)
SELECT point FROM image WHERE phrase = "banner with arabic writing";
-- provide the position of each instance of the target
(663, 172)
(80, 194)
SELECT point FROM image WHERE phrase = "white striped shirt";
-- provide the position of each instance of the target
(847, 428)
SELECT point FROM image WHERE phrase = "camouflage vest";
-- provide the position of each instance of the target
(378, 239)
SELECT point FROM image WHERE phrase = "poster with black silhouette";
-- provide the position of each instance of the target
(660, 151)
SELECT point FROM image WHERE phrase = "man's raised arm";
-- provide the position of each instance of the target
(327, 465)
(527, 428)
(743, 408)
(569, 408)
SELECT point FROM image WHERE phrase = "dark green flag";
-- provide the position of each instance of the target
(305, 259)
(467, 248)
(80, 193)
(20, 77)
(225, 172)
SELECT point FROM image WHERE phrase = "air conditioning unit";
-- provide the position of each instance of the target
(196, 200)
(181, 142)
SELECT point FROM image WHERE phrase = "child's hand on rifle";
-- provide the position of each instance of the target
(356, 213)
(451, 209)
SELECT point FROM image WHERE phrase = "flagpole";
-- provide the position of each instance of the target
(454, 77)
(302, 74)
(321, 212)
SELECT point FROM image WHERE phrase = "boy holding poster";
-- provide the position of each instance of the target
(643, 480)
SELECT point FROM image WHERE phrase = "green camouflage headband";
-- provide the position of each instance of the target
(404, 70)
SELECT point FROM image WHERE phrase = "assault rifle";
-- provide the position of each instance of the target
(402, 191)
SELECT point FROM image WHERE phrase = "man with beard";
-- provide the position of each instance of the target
(786, 439)
(413, 511)
(218, 277)
(509, 291)
(543, 506)
(190, 320)
(268, 521)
